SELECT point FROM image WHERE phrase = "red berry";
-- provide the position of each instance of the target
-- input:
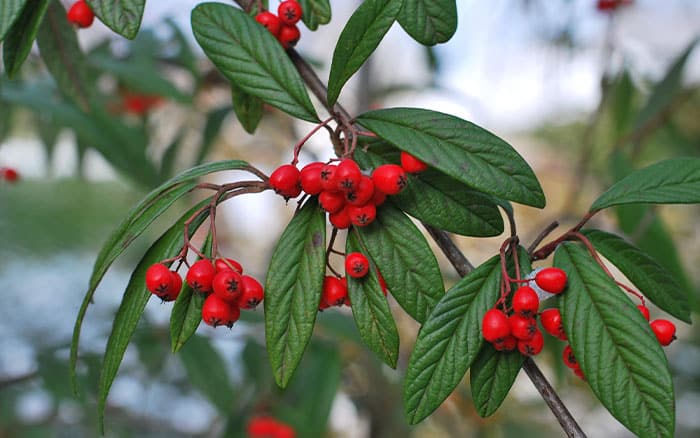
(322, 305)
(334, 291)
(253, 293)
(285, 181)
(494, 326)
(159, 281)
(411, 164)
(175, 288)
(310, 178)
(289, 11)
(551, 321)
(607, 5)
(362, 216)
(347, 175)
(532, 346)
(579, 373)
(363, 193)
(228, 285)
(552, 280)
(664, 330)
(201, 275)
(506, 344)
(270, 21)
(9, 174)
(389, 178)
(522, 327)
(645, 311)
(378, 197)
(329, 180)
(356, 265)
(525, 301)
(228, 264)
(569, 358)
(382, 283)
(340, 219)
(216, 311)
(289, 35)
(262, 426)
(80, 14)
(332, 202)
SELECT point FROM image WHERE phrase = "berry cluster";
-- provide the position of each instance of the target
(335, 289)
(283, 25)
(268, 427)
(80, 14)
(9, 174)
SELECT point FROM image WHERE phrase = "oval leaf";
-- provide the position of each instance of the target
(360, 37)
(449, 341)
(429, 21)
(492, 375)
(9, 11)
(652, 279)
(248, 108)
(293, 290)
(316, 12)
(250, 57)
(460, 149)
(370, 309)
(675, 181)
(405, 260)
(618, 353)
(22, 34)
(122, 16)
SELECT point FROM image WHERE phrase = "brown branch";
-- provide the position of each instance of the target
(448, 247)
(18, 379)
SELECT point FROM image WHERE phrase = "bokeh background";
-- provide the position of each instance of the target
(583, 95)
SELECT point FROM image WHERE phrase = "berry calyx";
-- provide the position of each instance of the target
(494, 326)
(664, 330)
(228, 285)
(253, 293)
(289, 35)
(525, 301)
(362, 194)
(216, 312)
(644, 310)
(285, 181)
(159, 281)
(289, 11)
(270, 21)
(329, 180)
(389, 178)
(228, 264)
(347, 175)
(551, 321)
(506, 344)
(80, 14)
(569, 358)
(411, 164)
(201, 275)
(521, 327)
(532, 346)
(552, 280)
(362, 216)
(334, 291)
(356, 265)
(310, 178)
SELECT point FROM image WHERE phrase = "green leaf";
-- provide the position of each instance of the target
(460, 149)
(22, 34)
(316, 12)
(360, 37)
(134, 302)
(618, 353)
(405, 261)
(248, 108)
(60, 51)
(674, 181)
(9, 11)
(370, 308)
(250, 57)
(429, 21)
(140, 217)
(293, 290)
(122, 16)
(449, 341)
(438, 200)
(492, 375)
(215, 119)
(652, 279)
(207, 372)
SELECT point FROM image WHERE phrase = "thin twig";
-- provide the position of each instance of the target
(540, 237)
(448, 247)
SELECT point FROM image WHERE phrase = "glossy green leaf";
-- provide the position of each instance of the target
(207, 371)
(248, 108)
(370, 309)
(316, 12)
(449, 341)
(250, 57)
(674, 181)
(405, 260)
(652, 279)
(438, 200)
(492, 375)
(134, 302)
(460, 149)
(429, 21)
(293, 289)
(122, 16)
(618, 353)
(360, 37)
(22, 34)
(9, 12)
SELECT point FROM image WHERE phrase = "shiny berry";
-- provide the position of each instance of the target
(362, 194)
(494, 325)
(228, 285)
(522, 327)
(9, 174)
(525, 301)
(378, 197)
(329, 181)
(532, 346)
(362, 216)
(334, 291)
(310, 178)
(347, 175)
(411, 164)
(389, 178)
(270, 21)
(175, 288)
(285, 181)
(356, 265)
(340, 219)
(569, 358)
(216, 311)
(332, 202)
(289, 11)
(551, 321)
(289, 35)
(506, 344)
(253, 293)
(644, 310)
(228, 264)
(201, 275)
(664, 330)
(80, 14)
(552, 280)
(159, 281)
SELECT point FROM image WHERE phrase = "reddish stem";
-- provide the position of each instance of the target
(300, 143)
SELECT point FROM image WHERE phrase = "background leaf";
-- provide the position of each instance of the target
(460, 149)
(250, 57)
(9, 11)
(492, 375)
(293, 289)
(207, 371)
(122, 16)
(22, 34)
(618, 353)
(212, 127)
(316, 12)
(248, 108)
(429, 21)
(405, 261)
